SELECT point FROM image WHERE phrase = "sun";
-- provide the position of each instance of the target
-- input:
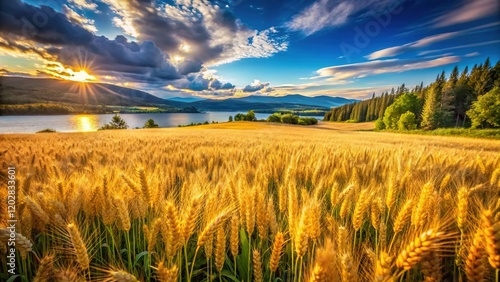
(81, 76)
(178, 59)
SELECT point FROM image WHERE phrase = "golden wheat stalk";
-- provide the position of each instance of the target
(164, 274)
(432, 267)
(257, 266)
(360, 210)
(383, 268)
(79, 247)
(45, 269)
(191, 218)
(120, 276)
(420, 247)
(475, 269)
(279, 242)
(68, 275)
(491, 231)
(220, 249)
(419, 212)
(462, 207)
(403, 216)
(212, 226)
(234, 239)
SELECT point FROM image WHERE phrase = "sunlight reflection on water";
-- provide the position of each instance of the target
(85, 123)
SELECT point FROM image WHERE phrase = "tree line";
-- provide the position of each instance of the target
(464, 99)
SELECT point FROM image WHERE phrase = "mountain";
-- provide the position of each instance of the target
(319, 101)
(239, 104)
(20, 90)
(185, 99)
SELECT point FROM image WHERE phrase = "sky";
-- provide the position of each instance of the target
(234, 48)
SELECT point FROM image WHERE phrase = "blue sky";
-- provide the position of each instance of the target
(219, 49)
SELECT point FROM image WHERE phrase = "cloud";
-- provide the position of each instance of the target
(473, 54)
(371, 68)
(200, 82)
(55, 30)
(320, 15)
(214, 34)
(460, 47)
(6, 72)
(468, 11)
(75, 18)
(396, 50)
(84, 4)
(63, 39)
(256, 85)
(332, 13)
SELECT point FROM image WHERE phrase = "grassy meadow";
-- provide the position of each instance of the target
(253, 202)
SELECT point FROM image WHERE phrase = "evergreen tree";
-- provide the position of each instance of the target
(429, 113)
(452, 82)
(116, 123)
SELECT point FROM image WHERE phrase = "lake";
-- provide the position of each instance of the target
(84, 123)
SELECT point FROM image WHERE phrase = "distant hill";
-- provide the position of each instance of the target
(185, 99)
(18, 90)
(239, 105)
(319, 101)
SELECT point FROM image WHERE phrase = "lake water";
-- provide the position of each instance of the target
(83, 123)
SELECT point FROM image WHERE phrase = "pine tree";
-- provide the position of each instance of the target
(452, 82)
(430, 109)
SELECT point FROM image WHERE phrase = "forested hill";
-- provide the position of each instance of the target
(446, 102)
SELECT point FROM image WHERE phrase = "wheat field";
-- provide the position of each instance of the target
(252, 202)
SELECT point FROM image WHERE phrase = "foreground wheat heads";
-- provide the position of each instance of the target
(203, 205)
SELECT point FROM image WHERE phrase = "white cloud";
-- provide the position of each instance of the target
(468, 11)
(371, 68)
(318, 17)
(331, 13)
(473, 54)
(84, 4)
(460, 47)
(396, 50)
(214, 34)
(76, 18)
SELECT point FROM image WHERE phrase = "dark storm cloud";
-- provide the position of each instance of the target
(170, 32)
(188, 66)
(41, 24)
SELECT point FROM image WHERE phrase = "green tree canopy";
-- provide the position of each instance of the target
(274, 118)
(150, 124)
(486, 110)
(407, 121)
(404, 103)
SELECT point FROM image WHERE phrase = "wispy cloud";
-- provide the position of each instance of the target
(473, 54)
(468, 11)
(430, 40)
(459, 47)
(331, 13)
(396, 50)
(360, 70)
